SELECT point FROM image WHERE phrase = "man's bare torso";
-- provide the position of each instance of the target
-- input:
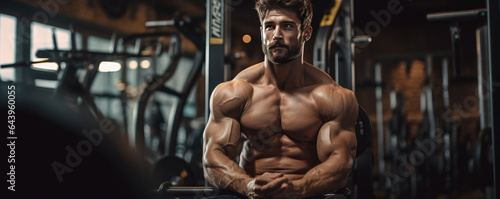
(280, 126)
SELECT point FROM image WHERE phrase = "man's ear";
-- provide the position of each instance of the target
(307, 33)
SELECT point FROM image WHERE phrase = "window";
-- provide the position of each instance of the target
(42, 40)
(98, 44)
(7, 46)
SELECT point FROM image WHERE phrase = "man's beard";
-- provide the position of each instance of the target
(292, 52)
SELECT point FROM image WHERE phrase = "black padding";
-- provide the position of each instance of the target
(173, 169)
(363, 129)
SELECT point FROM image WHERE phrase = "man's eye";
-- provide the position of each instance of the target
(288, 25)
(269, 27)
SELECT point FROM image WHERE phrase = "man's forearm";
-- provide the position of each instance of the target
(226, 174)
(325, 178)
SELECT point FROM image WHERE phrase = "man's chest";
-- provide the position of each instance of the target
(271, 111)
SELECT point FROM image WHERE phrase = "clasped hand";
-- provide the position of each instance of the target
(271, 185)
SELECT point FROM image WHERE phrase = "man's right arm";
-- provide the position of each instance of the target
(222, 137)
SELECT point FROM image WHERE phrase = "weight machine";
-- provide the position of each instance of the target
(169, 167)
(334, 53)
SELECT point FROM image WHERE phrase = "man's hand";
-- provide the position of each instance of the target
(271, 185)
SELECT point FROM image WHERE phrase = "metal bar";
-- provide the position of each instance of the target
(181, 191)
(455, 48)
(84, 55)
(160, 24)
(362, 39)
(25, 63)
(214, 51)
(494, 50)
(324, 36)
(23, 30)
(73, 37)
(483, 77)
(457, 15)
(169, 91)
(345, 68)
(380, 118)
(228, 65)
(430, 105)
(447, 138)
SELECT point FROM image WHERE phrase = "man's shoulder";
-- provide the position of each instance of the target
(233, 89)
(230, 98)
(240, 88)
(332, 92)
(251, 74)
(333, 97)
(335, 101)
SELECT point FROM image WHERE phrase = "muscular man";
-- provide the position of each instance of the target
(290, 126)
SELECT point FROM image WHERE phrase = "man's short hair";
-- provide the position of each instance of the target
(303, 8)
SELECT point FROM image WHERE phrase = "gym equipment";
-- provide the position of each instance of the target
(333, 53)
(482, 158)
(450, 128)
(397, 134)
(483, 71)
(322, 46)
(167, 189)
(363, 131)
(333, 47)
(483, 161)
(210, 48)
(397, 152)
(173, 169)
(494, 61)
(78, 59)
(421, 185)
(153, 84)
(70, 88)
(380, 120)
(454, 18)
(191, 28)
(217, 47)
(103, 167)
(164, 167)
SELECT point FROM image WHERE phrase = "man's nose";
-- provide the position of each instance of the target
(277, 36)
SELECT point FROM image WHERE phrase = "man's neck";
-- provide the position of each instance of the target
(285, 76)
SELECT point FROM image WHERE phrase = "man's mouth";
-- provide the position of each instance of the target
(278, 46)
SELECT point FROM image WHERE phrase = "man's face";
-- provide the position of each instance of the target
(282, 37)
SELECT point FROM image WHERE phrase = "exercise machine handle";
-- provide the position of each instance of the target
(160, 24)
(457, 15)
(166, 189)
(362, 39)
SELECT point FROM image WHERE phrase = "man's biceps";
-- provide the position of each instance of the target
(344, 141)
(348, 137)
